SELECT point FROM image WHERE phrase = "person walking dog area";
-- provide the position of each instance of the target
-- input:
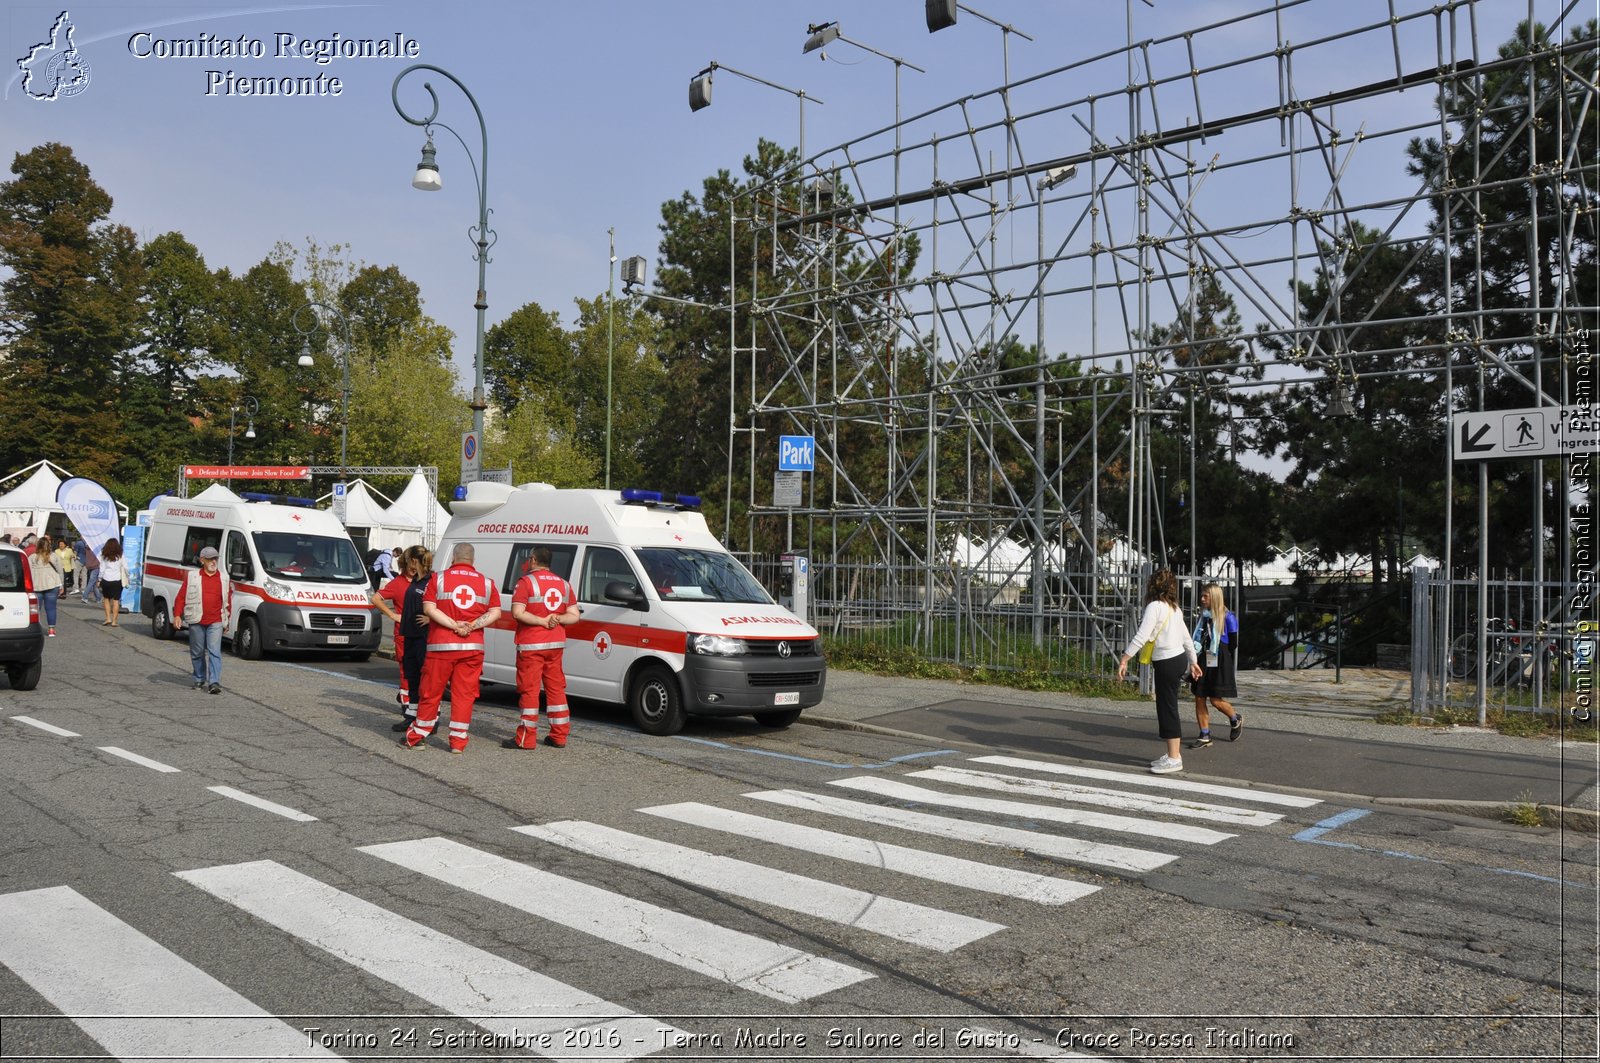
(1171, 657)
(204, 604)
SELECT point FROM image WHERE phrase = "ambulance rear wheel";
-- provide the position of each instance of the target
(656, 704)
(247, 640)
(778, 718)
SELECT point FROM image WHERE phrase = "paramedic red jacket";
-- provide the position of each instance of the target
(461, 593)
(545, 594)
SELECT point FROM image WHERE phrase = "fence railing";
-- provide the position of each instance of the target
(1528, 651)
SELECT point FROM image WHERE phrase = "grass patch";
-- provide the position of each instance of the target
(1031, 673)
(1514, 724)
(1524, 811)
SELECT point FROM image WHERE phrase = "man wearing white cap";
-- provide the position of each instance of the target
(204, 603)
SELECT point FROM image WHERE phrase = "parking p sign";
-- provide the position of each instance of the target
(797, 453)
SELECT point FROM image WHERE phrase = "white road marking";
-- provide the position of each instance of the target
(50, 727)
(1115, 856)
(262, 803)
(718, 952)
(1100, 820)
(500, 996)
(938, 867)
(155, 765)
(1094, 795)
(138, 999)
(913, 923)
(1156, 782)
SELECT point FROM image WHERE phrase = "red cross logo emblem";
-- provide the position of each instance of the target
(553, 599)
(602, 646)
(463, 597)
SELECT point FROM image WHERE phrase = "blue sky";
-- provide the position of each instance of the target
(586, 107)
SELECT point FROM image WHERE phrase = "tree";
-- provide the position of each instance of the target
(528, 355)
(69, 311)
(627, 347)
(380, 304)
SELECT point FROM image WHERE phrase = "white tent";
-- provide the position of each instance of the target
(30, 506)
(363, 513)
(412, 511)
(217, 493)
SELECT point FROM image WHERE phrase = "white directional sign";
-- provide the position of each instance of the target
(1538, 432)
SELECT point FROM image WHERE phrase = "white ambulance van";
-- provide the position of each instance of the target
(672, 625)
(298, 582)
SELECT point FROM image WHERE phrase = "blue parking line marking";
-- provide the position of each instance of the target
(813, 760)
(1349, 815)
(1314, 835)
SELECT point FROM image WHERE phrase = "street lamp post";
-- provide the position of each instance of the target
(251, 407)
(306, 361)
(427, 179)
(611, 328)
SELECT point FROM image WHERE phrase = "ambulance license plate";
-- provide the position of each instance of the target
(787, 698)
(338, 640)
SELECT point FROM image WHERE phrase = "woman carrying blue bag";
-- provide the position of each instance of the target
(1216, 644)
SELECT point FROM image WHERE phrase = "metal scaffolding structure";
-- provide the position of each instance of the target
(979, 311)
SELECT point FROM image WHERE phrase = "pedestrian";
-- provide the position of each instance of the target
(68, 560)
(204, 604)
(91, 575)
(47, 580)
(388, 600)
(1216, 643)
(112, 573)
(1173, 650)
(542, 605)
(461, 602)
(383, 567)
(417, 564)
(30, 543)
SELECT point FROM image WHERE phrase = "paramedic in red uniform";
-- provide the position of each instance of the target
(543, 604)
(389, 600)
(460, 603)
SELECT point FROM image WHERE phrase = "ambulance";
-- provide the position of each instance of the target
(298, 581)
(671, 624)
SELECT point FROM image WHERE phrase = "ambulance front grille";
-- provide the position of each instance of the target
(336, 622)
(784, 679)
(769, 647)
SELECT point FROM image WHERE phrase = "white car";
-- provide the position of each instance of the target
(21, 634)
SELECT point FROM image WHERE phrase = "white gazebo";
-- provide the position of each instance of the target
(418, 511)
(29, 506)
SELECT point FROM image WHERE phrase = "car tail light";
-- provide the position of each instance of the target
(27, 575)
(33, 608)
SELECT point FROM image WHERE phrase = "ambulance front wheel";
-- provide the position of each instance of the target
(656, 703)
(247, 639)
(161, 621)
(778, 717)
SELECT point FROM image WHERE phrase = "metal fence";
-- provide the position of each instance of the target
(1520, 647)
(973, 618)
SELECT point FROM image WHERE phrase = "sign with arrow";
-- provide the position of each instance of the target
(1538, 432)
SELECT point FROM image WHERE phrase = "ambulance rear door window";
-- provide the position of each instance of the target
(198, 539)
(561, 558)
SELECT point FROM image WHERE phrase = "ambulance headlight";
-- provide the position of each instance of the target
(278, 590)
(717, 645)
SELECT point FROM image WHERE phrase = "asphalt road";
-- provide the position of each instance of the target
(580, 903)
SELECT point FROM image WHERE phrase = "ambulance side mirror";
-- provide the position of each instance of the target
(239, 570)
(626, 594)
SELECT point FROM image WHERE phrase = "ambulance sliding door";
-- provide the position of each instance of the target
(607, 641)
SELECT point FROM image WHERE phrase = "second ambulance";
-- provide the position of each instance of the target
(672, 624)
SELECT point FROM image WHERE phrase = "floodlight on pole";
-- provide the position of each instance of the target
(700, 93)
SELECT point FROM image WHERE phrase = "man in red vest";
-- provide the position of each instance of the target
(460, 603)
(542, 604)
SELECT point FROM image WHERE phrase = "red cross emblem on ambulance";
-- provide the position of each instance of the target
(463, 597)
(602, 646)
(553, 599)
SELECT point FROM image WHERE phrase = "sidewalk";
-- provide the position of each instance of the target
(1302, 731)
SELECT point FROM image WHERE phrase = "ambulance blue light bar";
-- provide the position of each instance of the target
(293, 501)
(641, 497)
(255, 496)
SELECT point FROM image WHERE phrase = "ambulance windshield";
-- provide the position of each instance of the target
(700, 576)
(318, 558)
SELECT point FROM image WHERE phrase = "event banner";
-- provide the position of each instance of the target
(91, 510)
(247, 472)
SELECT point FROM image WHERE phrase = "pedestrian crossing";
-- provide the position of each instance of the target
(100, 971)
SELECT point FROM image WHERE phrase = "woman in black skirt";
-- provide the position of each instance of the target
(1216, 643)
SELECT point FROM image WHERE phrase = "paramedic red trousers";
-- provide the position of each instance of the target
(462, 670)
(540, 669)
